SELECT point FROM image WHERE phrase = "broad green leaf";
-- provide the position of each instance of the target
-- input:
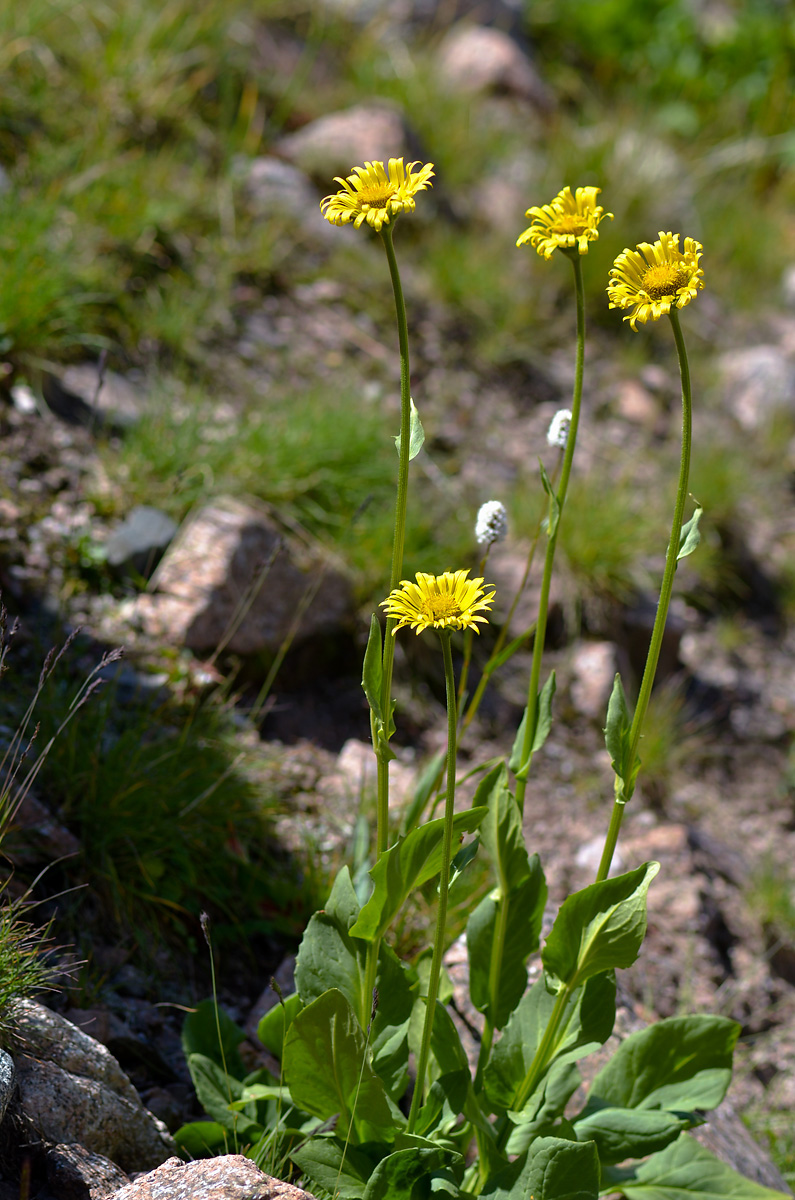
(343, 903)
(397, 988)
(501, 830)
(685, 1170)
(600, 928)
(446, 1099)
(336, 1171)
(276, 1022)
(203, 1139)
(422, 792)
(543, 724)
(407, 865)
(524, 910)
(259, 1091)
(416, 433)
(215, 1091)
(516, 906)
(329, 957)
(690, 535)
(200, 1036)
(622, 1133)
(558, 1086)
(554, 1170)
(372, 671)
(396, 1175)
(446, 1045)
(461, 860)
(544, 713)
(680, 1064)
(324, 1060)
(587, 1025)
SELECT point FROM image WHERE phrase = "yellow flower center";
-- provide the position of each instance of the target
(441, 608)
(664, 279)
(571, 223)
(377, 195)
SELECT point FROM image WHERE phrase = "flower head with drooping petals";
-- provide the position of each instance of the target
(568, 221)
(653, 279)
(448, 601)
(374, 194)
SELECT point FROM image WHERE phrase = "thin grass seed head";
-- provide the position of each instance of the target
(374, 194)
(654, 278)
(567, 221)
(447, 601)
(491, 524)
(558, 432)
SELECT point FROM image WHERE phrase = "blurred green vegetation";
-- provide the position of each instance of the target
(172, 817)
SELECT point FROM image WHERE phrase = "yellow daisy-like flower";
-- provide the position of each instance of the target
(651, 279)
(374, 194)
(567, 222)
(448, 601)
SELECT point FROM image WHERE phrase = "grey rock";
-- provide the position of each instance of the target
(73, 1090)
(788, 286)
(234, 579)
(757, 382)
(503, 195)
(589, 856)
(140, 541)
(334, 144)
(7, 1081)
(477, 58)
(230, 1177)
(88, 396)
(276, 188)
(34, 834)
(74, 1173)
(112, 396)
(594, 665)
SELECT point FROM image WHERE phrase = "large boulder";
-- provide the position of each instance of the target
(477, 58)
(334, 144)
(757, 383)
(72, 1090)
(235, 579)
(230, 1177)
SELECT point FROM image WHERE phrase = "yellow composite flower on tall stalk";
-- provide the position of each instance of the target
(447, 601)
(374, 194)
(654, 278)
(568, 221)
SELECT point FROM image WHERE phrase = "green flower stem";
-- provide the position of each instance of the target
(399, 539)
(382, 818)
(444, 882)
(551, 1039)
(469, 636)
(552, 538)
(650, 670)
(495, 971)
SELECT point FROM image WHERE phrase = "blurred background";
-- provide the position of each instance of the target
(182, 334)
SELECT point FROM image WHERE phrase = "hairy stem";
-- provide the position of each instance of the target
(552, 533)
(625, 793)
(444, 882)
